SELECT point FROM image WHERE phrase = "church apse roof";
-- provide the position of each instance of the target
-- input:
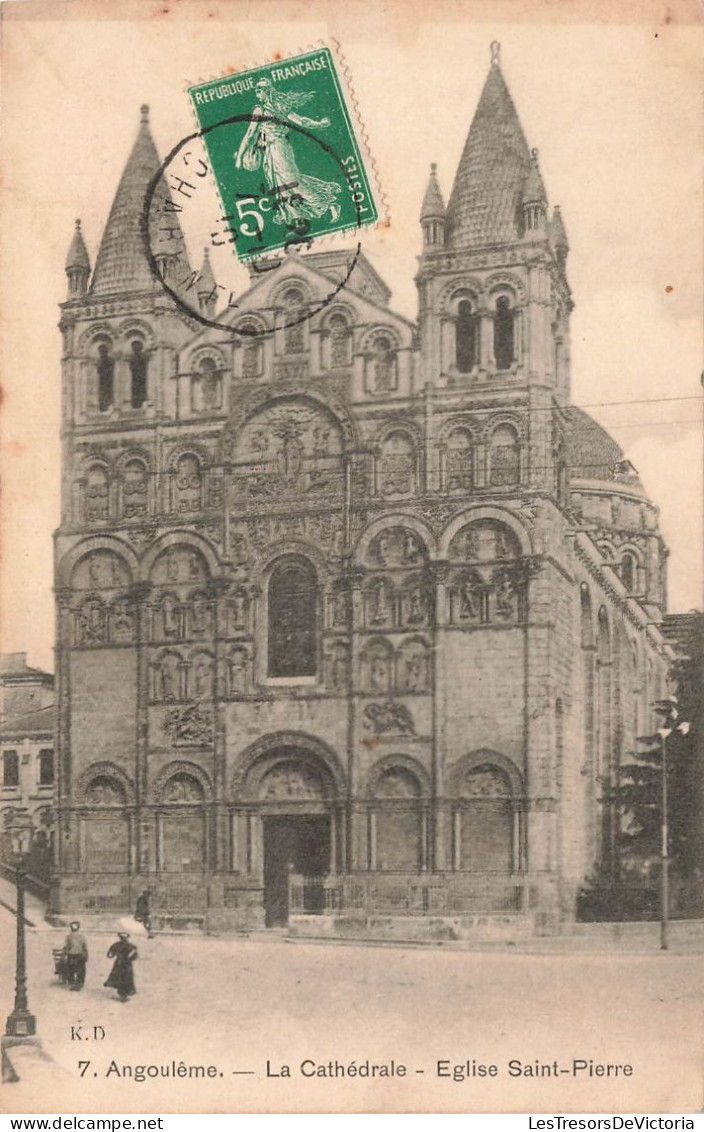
(485, 205)
(593, 454)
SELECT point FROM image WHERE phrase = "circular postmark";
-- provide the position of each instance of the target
(161, 215)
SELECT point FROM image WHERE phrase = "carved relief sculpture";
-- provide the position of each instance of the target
(97, 495)
(189, 726)
(188, 484)
(134, 490)
(92, 623)
(122, 620)
(104, 791)
(182, 789)
(397, 465)
(390, 716)
(288, 780)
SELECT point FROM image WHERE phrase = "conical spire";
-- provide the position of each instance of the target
(77, 265)
(206, 279)
(433, 207)
(558, 237)
(206, 287)
(558, 233)
(534, 189)
(122, 263)
(77, 256)
(486, 199)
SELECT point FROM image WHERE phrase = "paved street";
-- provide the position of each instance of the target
(236, 1004)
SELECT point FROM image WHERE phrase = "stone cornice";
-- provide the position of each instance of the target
(590, 556)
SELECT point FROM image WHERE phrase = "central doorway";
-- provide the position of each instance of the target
(293, 844)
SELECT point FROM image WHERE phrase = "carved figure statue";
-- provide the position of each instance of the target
(380, 603)
(93, 624)
(172, 567)
(237, 610)
(166, 680)
(122, 620)
(416, 670)
(338, 671)
(201, 679)
(411, 550)
(379, 672)
(505, 597)
(199, 614)
(170, 615)
(382, 550)
(237, 671)
(416, 605)
(469, 598)
(339, 609)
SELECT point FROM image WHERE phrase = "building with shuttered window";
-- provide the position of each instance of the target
(356, 615)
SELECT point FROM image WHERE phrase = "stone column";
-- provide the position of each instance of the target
(447, 346)
(437, 850)
(486, 341)
(221, 855)
(139, 600)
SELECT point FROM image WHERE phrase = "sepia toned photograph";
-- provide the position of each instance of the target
(352, 630)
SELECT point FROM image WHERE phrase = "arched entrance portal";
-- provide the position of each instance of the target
(297, 802)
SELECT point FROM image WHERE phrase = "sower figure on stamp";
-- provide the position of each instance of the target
(267, 143)
(76, 957)
(122, 976)
(142, 913)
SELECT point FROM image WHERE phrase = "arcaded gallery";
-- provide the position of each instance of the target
(356, 616)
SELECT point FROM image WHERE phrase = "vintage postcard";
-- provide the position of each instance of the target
(351, 720)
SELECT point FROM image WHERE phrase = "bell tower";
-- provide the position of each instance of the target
(493, 292)
(120, 331)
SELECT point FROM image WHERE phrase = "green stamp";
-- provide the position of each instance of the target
(284, 153)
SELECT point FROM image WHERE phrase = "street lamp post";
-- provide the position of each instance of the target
(664, 849)
(20, 1024)
(669, 710)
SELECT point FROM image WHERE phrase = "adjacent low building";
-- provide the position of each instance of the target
(27, 745)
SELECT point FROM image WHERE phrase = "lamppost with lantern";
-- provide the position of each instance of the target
(20, 1023)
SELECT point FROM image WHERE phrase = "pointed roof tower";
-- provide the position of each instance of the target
(122, 264)
(486, 199)
(77, 256)
(433, 207)
(206, 279)
(206, 287)
(534, 189)
(558, 235)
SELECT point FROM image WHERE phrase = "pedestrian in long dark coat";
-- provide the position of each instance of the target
(122, 976)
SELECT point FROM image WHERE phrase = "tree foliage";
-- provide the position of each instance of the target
(638, 792)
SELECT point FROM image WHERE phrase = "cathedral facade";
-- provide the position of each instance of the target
(355, 616)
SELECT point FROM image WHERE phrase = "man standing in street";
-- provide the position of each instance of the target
(142, 913)
(76, 952)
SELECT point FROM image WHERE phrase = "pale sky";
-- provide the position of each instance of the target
(613, 107)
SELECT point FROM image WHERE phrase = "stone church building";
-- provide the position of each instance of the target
(355, 616)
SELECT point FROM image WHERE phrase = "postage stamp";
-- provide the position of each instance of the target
(284, 152)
